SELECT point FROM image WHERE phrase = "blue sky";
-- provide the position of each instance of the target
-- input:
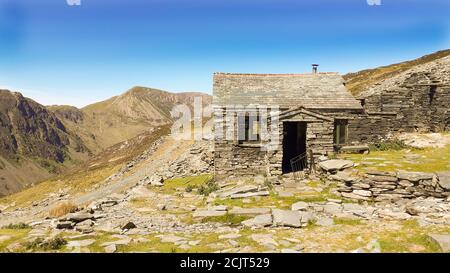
(61, 54)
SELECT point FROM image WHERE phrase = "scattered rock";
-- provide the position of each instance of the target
(220, 208)
(287, 218)
(238, 190)
(208, 213)
(249, 194)
(77, 217)
(110, 248)
(336, 165)
(443, 240)
(263, 220)
(128, 226)
(299, 206)
(161, 206)
(325, 221)
(64, 225)
(249, 211)
(264, 239)
(444, 180)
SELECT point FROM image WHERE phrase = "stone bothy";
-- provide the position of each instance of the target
(272, 124)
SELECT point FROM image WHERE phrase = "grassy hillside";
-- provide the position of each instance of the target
(359, 81)
(122, 117)
(34, 143)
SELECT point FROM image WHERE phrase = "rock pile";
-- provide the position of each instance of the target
(380, 186)
(83, 221)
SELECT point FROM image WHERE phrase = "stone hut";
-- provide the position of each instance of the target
(417, 100)
(272, 124)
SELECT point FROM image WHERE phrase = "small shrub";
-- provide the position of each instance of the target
(208, 188)
(49, 244)
(189, 188)
(62, 209)
(17, 226)
(388, 145)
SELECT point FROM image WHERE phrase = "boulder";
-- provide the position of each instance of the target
(343, 177)
(155, 180)
(444, 180)
(77, 217)
(64, 225)
(110, 248)
(325, 221)
(414, 176)
(85, 226)
(363, 193)
(249, 211)
(286, 218)
(443, 240)
(208, 213)
(249, 194)
(336, 165)
(263, 220)
(332, 208)
(299, 206)
(238, 190)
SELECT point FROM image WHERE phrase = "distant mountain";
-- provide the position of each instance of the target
(122, 117)
(34, 143)
(365, 79)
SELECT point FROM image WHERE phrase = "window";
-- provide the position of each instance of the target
(248, 128)
(340, 131)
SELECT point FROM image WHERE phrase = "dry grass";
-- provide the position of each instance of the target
(62, 209)
(359, 81)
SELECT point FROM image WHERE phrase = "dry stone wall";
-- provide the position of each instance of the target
(416, 101)
(381, 186)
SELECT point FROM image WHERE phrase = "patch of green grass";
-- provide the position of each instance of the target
(402, 242)
(281, 202)
(190, 182)
(17, 226)
(39, 243)
(424, 160)
(388, 145)
(12, 235)
(229, 219)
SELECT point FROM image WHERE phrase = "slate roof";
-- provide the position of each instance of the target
(312, 91)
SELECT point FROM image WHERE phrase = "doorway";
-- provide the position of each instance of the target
(294, 143)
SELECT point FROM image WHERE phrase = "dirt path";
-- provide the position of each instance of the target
(169, 150)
